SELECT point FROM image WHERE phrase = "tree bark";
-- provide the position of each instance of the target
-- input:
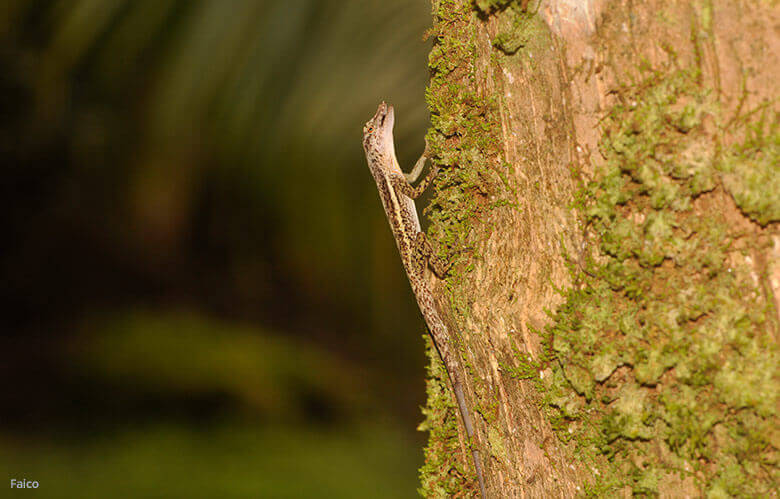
(610, 195)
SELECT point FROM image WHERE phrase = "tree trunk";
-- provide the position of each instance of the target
(610, 195)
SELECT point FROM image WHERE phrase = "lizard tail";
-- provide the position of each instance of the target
(478, 466)
(439, 334)
(464, 413)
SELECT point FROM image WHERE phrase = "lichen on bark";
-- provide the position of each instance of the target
(665, 357)
(657, 368)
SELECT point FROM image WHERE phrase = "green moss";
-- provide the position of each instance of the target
(527, 368)
(473, 180)
(663, 346)
(463, 138)
(464, 141)
(488, 6)
(517, 27)
(496, 443)
(659, 364)
(751, 171)
(443, 474)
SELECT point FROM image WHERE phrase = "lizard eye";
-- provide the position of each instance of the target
(370, 129)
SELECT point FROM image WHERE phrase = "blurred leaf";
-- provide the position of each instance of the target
(252, 76)
(166, 461)
(189, 354)
(208, 152)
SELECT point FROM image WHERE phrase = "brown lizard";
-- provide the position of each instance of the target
(398, 197)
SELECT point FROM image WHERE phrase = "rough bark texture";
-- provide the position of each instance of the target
(610, 194)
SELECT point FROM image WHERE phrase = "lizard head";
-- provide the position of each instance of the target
(378, 132)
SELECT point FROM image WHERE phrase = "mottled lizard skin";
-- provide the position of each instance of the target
(397, 197)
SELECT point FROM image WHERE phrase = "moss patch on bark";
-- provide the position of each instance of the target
(464, 143)
(665, 359)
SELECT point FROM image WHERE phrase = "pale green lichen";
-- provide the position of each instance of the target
(497, 446)
(751, 170)
(660, 363)
(662, 352)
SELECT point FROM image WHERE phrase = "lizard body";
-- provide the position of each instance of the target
(397, 197)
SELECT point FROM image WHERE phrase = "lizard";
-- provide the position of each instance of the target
(397, 196)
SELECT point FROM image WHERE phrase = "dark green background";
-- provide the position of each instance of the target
(202, 297)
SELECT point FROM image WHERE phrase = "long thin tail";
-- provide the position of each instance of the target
(441, 340)
(464, 413)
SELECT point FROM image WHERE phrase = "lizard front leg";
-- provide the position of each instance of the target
(412, 176)
(425, 256)
(418, 166)
(400, 184)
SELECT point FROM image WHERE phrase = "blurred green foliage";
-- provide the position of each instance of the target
(235, 461)
(162, 156)
(173, 353)
(213, 145)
